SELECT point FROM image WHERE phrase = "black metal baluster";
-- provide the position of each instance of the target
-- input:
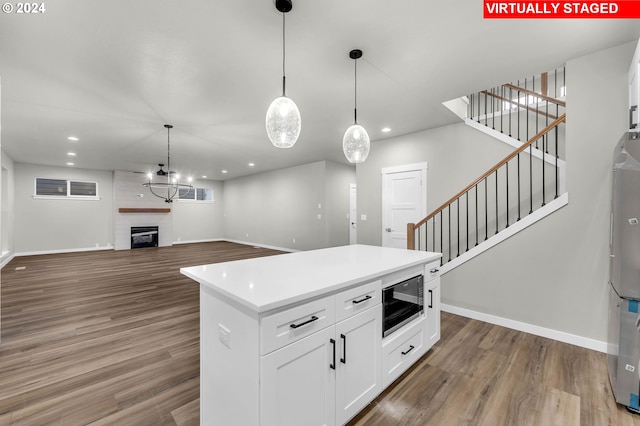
(496, 201)
(478, 119)
(449, 227)
(470, 107)
(486, 115)
(418, 236)
(493, 110)
(536, 99)
(510, 108)
(477, 214)
(518, 106)
(467, 227)
(486, 211)
(458, 226)
(501, 107)
(507, 182)
(557, 184)
(441, 243)
(543, 173)
(530, 178)
(526, 102)
(518, 186)
(433, 236)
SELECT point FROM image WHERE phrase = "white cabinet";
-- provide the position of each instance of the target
(432, 303)
(329, 376)
(358, 366)
(634, 89)
(297, 385)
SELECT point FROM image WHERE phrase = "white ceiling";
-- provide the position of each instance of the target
(114, 72)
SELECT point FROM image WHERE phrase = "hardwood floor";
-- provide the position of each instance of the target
(112, 338)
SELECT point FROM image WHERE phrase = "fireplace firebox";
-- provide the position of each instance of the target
(144, 236)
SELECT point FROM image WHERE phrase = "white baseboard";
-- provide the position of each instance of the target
(6, 258)
(74, 250)
(560, 336)
(199, 241)
(248, 243)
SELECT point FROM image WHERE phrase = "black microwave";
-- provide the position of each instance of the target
(402, 302)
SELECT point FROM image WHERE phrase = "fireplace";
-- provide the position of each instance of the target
(144, 236)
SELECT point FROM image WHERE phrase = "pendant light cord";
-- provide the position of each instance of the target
(283, 56)
(355, 91)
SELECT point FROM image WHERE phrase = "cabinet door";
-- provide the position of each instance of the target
(359, 368)
(297, 385)
(432, 310)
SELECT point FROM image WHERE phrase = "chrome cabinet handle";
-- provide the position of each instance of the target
(312, 319)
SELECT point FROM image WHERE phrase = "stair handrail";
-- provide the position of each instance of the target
(411, 227)
(536, 94)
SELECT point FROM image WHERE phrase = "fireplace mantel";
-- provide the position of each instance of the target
(143, 210)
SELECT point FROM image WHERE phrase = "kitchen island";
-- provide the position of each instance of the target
(297, 338)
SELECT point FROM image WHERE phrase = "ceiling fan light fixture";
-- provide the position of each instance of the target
(283, 121)
(356, 143)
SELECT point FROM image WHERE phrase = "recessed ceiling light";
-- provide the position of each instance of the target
(224, 171)
(386, 129)
(70, 164)
(73, 138)
(71, 154)
(251, 164)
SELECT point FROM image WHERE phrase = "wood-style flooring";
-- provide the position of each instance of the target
(112, 338)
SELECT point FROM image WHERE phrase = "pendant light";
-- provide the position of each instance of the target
(355, 142)
(172, 187)
(283, 117)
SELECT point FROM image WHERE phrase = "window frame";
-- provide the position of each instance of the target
(195, 195)
(67, 195)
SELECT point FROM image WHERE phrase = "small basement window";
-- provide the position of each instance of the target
(196, 194)
(65, 189)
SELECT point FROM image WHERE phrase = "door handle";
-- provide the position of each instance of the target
(388, 229)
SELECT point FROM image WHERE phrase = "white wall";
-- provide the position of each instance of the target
(61, 225)
(281, 208)
(8, 208)
(199, 221)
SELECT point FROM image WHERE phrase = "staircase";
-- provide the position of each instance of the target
(518, 190)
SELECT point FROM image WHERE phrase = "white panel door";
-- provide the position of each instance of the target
(403, 201)
(353, 213)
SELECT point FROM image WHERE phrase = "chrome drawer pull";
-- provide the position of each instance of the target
(355, 302)
(313, 318)
(411, 347)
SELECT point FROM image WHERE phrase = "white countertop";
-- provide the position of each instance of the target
(271, 282)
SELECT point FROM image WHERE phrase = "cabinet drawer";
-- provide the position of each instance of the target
(432, 271)
(359, 299)
(288, 326)
(402, 350)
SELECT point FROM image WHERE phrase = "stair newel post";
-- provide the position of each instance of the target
(410, 236)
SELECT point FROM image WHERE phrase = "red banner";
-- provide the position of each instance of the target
(622, 9)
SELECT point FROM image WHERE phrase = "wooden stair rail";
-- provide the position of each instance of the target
(412, 227)
(527, 107)
(536, 94)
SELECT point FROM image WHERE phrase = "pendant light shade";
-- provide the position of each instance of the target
(283, 120)
(356, 143)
